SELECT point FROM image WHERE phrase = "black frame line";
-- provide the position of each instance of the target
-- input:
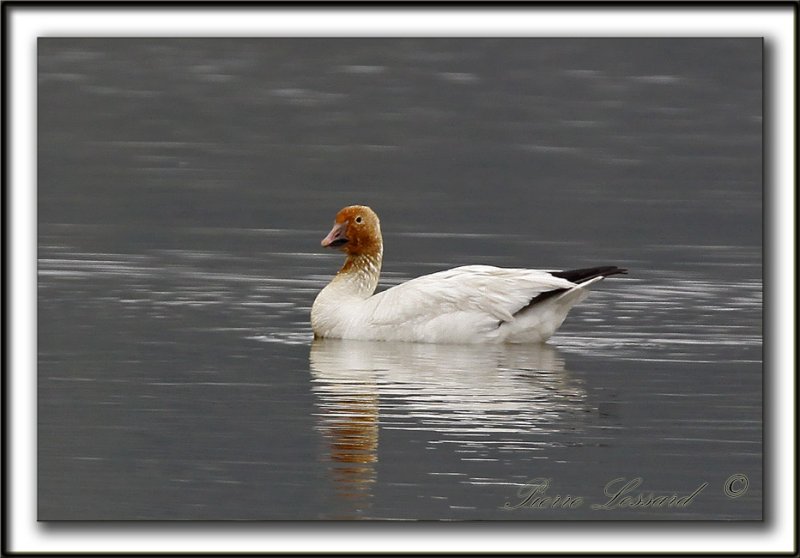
(335, 526)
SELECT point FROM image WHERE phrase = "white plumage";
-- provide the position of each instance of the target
(469, 304)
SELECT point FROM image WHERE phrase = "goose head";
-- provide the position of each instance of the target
(356, 232)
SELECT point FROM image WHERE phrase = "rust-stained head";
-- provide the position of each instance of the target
(356, 231)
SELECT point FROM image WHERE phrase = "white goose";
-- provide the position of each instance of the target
(469, 304)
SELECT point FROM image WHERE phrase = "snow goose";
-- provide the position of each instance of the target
(469, 304)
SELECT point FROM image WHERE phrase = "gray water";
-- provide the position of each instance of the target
(184, 186)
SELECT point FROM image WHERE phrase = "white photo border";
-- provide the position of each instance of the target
(24, 22)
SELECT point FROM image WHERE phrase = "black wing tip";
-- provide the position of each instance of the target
(587, 273)
(616, 271)
(574, 276)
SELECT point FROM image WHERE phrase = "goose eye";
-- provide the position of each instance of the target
(359, 219)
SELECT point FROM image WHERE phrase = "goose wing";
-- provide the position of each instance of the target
(477, 290)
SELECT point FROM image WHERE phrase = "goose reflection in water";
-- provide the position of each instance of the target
(484, 399)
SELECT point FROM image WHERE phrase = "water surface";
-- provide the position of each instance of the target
(185, 186)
